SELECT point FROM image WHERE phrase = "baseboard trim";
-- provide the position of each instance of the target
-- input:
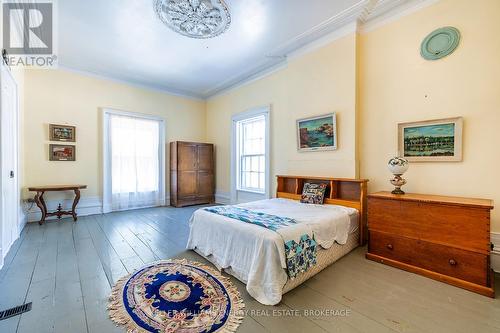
(23, 219)
(222, 197)
(86, 206)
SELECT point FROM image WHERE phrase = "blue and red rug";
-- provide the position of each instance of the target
(176, 296)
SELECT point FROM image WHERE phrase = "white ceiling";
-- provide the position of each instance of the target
(124, 40)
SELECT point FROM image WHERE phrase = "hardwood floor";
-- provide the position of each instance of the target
(66, 269)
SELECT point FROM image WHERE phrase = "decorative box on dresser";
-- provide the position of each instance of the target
(443, 238)
(191, 173)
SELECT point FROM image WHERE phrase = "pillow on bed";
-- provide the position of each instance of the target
(313, 193)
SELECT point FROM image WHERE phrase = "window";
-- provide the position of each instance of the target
(133, 161)
(251, 154)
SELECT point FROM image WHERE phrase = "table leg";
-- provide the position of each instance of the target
(41, 204)
(75, 202)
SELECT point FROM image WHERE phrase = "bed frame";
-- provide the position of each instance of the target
(339, 191)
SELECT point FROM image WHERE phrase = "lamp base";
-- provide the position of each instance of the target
(397, 190)
(397, 181)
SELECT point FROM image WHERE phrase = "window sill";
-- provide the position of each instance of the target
(250, 191)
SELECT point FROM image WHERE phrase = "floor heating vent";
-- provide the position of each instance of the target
(15, 311)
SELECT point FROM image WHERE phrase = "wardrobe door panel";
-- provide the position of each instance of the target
(205, 183)
(205, 157)
(187, 156)
(187, 184)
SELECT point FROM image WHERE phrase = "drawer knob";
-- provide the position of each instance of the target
(452, 262)
(390, 247)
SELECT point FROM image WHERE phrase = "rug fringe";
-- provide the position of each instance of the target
(119, 315)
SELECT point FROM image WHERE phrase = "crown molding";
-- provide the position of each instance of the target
(281, 62)
(364, 16)
(319, 35)
(318, 43)
(387, 11)
(331, 25)
(247, 78)
(135, 84)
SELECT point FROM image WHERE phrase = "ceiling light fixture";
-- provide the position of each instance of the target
(194, 18)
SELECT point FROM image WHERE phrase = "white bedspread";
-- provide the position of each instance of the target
(256, 255)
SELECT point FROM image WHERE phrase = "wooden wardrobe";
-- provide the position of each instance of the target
(191, 173)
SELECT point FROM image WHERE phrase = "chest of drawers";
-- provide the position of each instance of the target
(444, 238)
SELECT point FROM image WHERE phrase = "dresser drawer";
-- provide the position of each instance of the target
(461, 227)
(461, 264)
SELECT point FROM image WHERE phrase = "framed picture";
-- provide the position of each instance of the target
(62, 153)
(62, 133)
(433, 140)
(317, 133)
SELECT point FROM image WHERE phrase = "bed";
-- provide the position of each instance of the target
(255, 255)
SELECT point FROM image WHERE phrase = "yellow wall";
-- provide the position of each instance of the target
(397, 85)
(62, 97)
(394, 84)
(317, 83)
(372, 80)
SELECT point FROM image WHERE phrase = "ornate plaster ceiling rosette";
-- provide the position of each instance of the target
(194, 18)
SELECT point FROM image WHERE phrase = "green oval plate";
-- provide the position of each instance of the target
(440, 43)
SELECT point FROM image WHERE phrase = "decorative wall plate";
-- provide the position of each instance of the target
(440, 43)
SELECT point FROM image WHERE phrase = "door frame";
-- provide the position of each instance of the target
(4, 70)
(249, 195)
(106, 162)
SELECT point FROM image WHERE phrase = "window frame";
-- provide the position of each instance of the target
(236, 156)
(106, 161)
(240, 156)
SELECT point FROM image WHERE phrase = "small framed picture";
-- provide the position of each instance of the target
(62, 133)
(317, 133)
(62, 153)
(437, 140)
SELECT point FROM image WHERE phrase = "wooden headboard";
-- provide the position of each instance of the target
(339, 191)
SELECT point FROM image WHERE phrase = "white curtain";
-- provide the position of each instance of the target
(134, 150)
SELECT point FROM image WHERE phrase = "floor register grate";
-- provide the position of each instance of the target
(15, 311)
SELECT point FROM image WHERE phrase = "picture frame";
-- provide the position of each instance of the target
(317, 133)
(62, 152)
(438, 140)
(62, 133)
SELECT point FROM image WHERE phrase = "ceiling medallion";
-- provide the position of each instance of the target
(194, 18)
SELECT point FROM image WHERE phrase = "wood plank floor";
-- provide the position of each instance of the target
(67, 269)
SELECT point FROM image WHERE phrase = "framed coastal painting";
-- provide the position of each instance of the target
(62, 133)
(433, 140)
(62, 153)
(317, 133)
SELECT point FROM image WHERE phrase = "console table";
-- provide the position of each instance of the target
(40, 202)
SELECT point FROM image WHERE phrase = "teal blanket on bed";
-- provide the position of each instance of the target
(300, 252)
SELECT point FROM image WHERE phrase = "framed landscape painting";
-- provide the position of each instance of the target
(433, 140)
(317, 133)
(62, 133)
(62, 153)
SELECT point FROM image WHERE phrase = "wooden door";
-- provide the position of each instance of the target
(9, 203)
